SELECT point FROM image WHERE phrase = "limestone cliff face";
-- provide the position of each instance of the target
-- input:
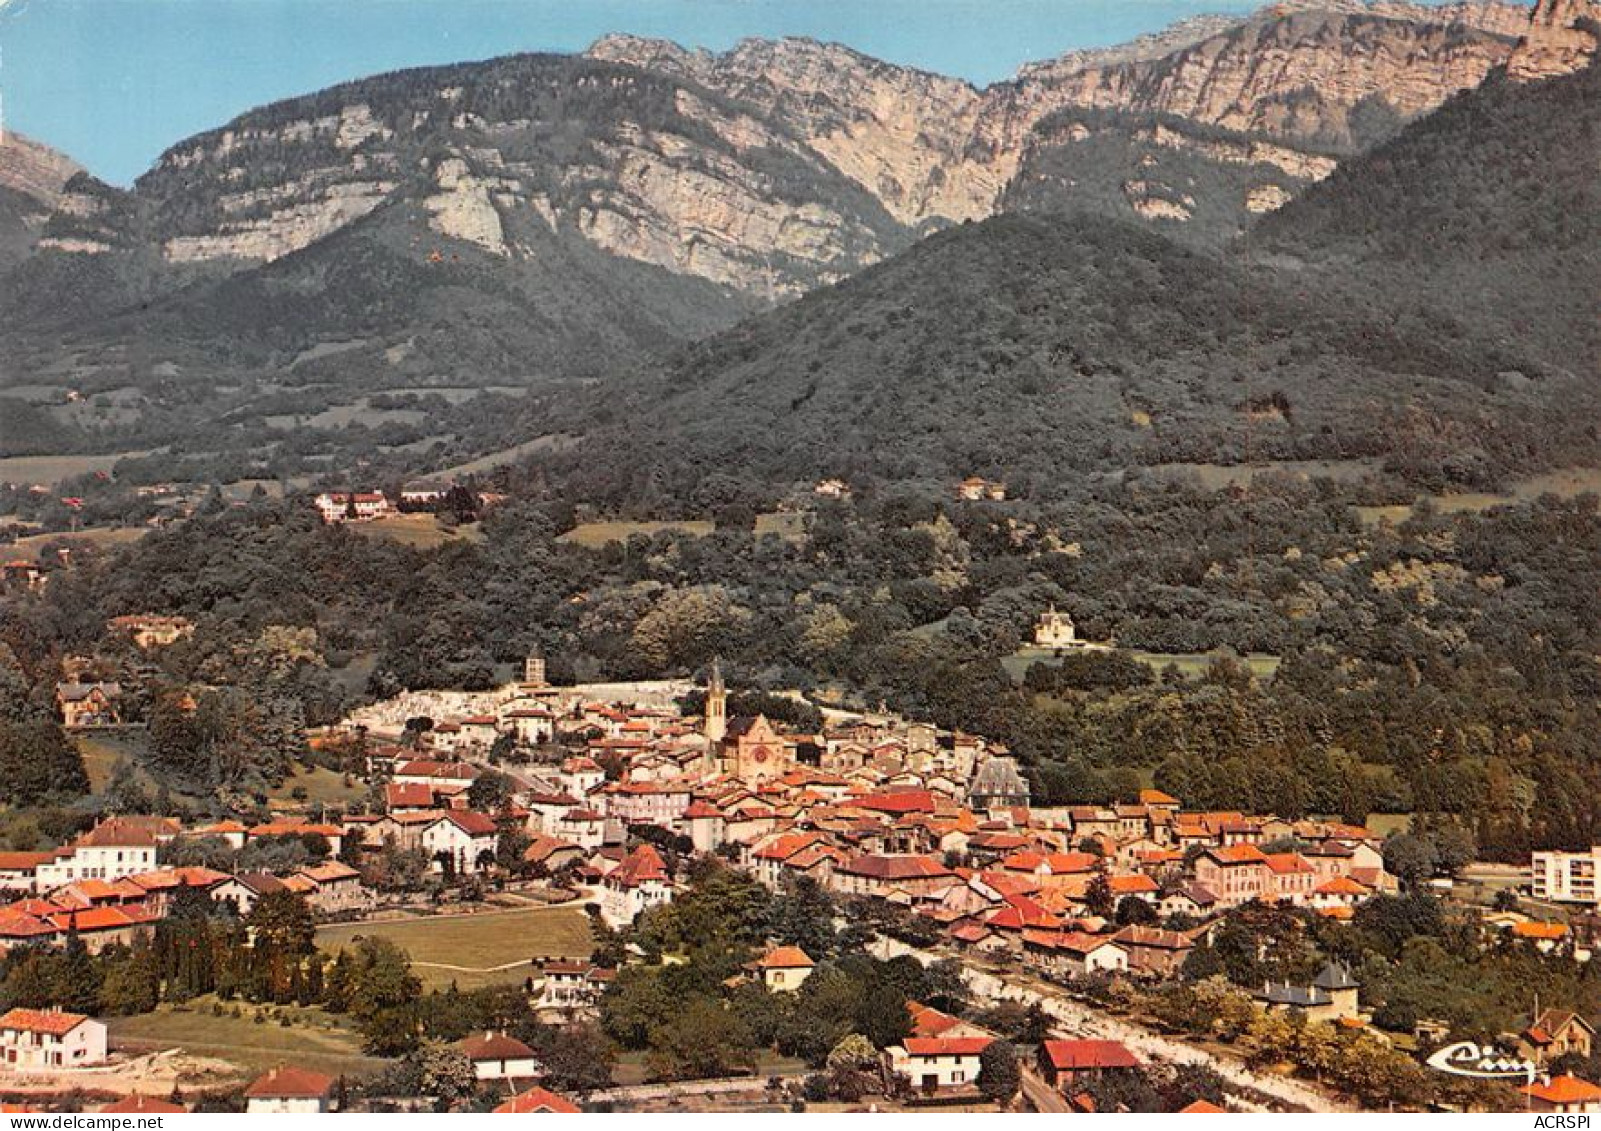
(778, 166)
(1562, 37)
(905, 135)
(639, 164)
(36, 171)
(1297, 77)
(936, 150)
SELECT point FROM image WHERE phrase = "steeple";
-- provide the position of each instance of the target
(716, 705)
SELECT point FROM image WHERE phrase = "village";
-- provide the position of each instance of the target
(600, 797)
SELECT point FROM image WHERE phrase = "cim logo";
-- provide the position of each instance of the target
(1481, 1062)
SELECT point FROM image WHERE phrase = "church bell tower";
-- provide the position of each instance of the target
(716, 706)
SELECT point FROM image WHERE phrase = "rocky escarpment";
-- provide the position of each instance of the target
(1310, 77)
(32, 179)
(1200, 184)
(776, 167)
(33, 170)
(640, 164)
(1562, 37)
(906, 135)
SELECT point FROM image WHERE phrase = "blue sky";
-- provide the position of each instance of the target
(114, 82)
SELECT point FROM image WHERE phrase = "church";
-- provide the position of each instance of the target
(748, 748)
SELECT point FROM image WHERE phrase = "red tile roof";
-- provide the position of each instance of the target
(494, 1046)
(1566, 1089)
(786, 958)
(537, 1101)
(946, 1046)
(1072, 1056)
(53, 1021)
(290, 1082)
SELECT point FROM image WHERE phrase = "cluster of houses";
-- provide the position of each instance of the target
(337, 507)
(938, 822)
(107, 885)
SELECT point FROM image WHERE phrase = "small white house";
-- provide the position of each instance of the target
(50, 1038)
(464, 838)
(936, 1064)
(496, 1056)
(287, 1090)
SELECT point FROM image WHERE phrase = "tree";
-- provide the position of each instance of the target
(444, 1073)
(700, 1040)
(132, 982)
(1099, 899)
(578, 1058)
(999, 1075)
(282, 936)
(77, 977)
(489, 791)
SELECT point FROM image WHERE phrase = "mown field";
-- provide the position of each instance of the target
(312, 1038)
(422, 531)
(27, 549)
(490, 948)
(1192, 665)
(319, 785)
(785, 524)
(1566, 483)
(50, 470)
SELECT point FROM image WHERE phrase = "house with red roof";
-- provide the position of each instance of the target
(639, 883)
(50, 1038)
(1236, 874)
(1554, 1034)
(784, 969)
(1154, 952)
(938, 1064)
(1075, 953)
(115, 847)
(1566, 1094)
(289, 1090)
(460, 841)
(882, 875)
(498, 1056)
(18, 870)
(537, 1101)
(1069, 1065)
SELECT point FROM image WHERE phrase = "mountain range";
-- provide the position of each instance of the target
(560, 223)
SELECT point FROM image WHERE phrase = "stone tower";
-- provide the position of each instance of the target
(716, 706)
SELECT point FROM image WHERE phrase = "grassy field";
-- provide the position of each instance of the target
(507, 455)
(1190, 664)
(1386, 823)
(476, 950)
(100, 755)
(28, 548)
(423, 531)
(313, 1039)
(785, 524)
(1567, 483)
(50, 470)
(322, 786)
(595, 534)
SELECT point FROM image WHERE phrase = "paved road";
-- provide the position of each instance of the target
(1077, 1020)
(1046, 1099)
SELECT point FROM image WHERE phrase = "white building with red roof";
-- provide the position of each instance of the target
(50, 1038)
(639, 883)
(938, 1064)
(289, 1090)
